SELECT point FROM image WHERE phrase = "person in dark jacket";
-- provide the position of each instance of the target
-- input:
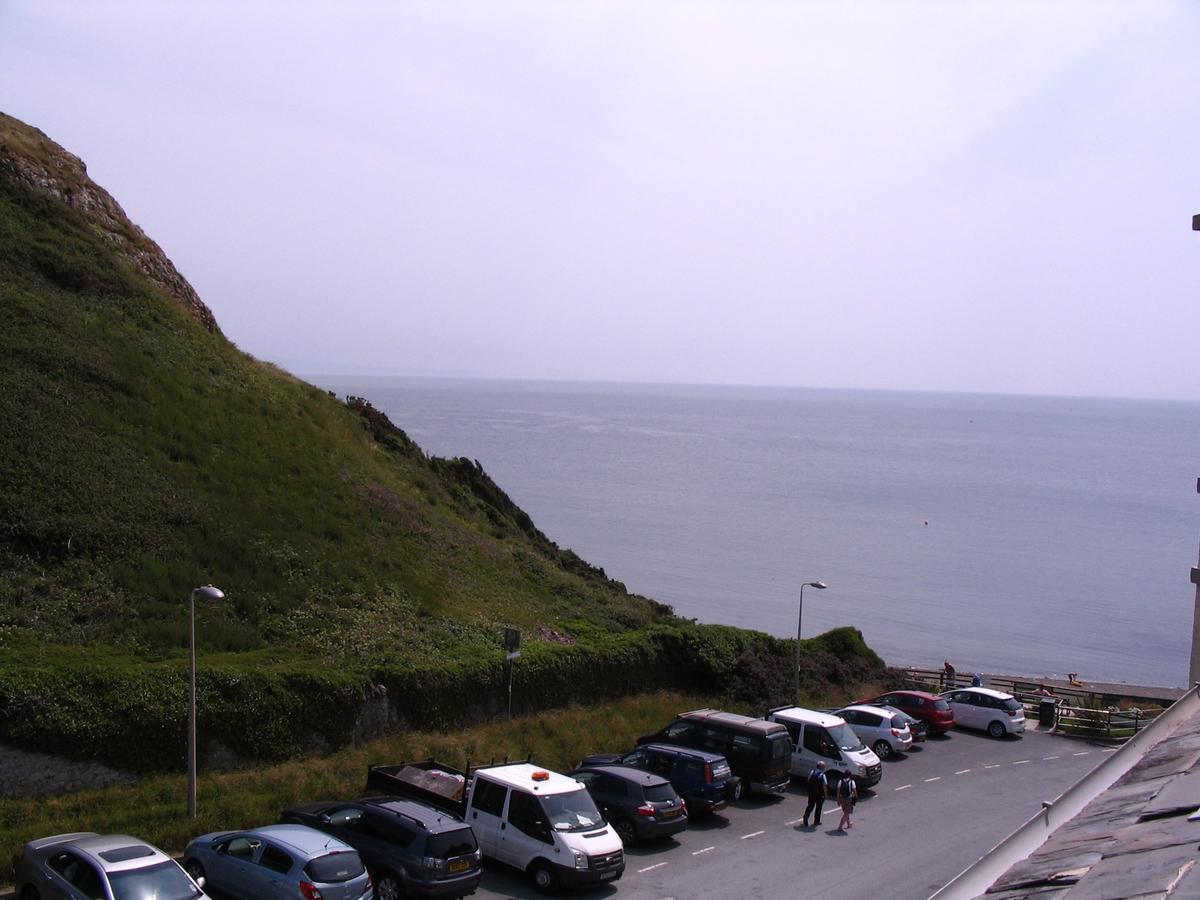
(818, 790)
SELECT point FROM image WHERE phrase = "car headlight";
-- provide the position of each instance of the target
(580, 859)
(862, 770)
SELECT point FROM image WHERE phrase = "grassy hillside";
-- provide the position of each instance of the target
(142, 454)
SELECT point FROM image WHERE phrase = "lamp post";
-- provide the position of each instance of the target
(819, 585)
(208, 592)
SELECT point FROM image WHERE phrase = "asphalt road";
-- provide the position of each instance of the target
(937, 810)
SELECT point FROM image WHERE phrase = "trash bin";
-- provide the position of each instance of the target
(1047, 714)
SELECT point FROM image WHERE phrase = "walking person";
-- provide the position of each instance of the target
(818, 791)
(847, 795)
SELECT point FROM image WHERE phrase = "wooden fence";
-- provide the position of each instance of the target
(1077, 711)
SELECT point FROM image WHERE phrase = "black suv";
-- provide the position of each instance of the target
(638, 804)
(411, 850)
(698, 776)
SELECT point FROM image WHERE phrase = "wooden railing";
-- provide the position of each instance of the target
(1077, 710)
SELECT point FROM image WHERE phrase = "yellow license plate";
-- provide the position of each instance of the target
(669, 813)
(459, 865)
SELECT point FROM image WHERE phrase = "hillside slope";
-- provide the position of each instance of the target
(367, 584)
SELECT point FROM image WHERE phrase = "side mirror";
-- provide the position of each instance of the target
(324, 819)
(201, 881)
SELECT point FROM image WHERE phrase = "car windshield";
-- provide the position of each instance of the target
(659, 793)
(334, 868)
(843, 735)
(1010, 703)
(899, 722)
(779, 749)
(572, 811)
(940, 705)
(164, 881)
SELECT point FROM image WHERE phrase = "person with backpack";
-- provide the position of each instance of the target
(847, 796)
(818, 791)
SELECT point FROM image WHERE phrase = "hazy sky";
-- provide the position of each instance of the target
(956, 196)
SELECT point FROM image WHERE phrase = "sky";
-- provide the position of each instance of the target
(983, 196)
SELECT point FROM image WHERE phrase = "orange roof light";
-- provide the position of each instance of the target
(541, 776)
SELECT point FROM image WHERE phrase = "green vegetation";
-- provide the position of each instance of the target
(142, 454)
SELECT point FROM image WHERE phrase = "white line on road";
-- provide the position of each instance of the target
(794, 822)
(1049, 757)
(934, 778)
(962, 771)
(753, 834)
(996, 766)
(1020, 762)
(705, 850)
(904, 787)
(1110, 750)
(1083, 753)
(655, 866)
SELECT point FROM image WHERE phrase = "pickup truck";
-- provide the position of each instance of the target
(540, 822)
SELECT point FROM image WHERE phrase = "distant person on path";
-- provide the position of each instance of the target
(847, 795)
(948, 673)
(976, 680)
(1074, 679)
(1044, 691)
(818, 791)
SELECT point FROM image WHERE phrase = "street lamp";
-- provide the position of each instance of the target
(819, 585)
(207, 592)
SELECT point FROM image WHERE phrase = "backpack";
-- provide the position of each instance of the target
(847, 790)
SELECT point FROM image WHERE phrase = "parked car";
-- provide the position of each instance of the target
(409, 848)
(821, 737)
(758, 751)
(920, 731)
(881, 730)
(995, 712)
(930, 709)
(539, 822)
(701, 778)
(278, 861)
(86, 866)
(638, 804)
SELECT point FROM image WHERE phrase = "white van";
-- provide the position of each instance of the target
(817, 737)
(538, 821)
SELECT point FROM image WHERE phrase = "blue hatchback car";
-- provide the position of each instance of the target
(701, 778)
(278, 861)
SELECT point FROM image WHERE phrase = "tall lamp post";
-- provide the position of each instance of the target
(819, 585)
(207, 592)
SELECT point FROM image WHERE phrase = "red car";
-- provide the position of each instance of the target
(934, 711)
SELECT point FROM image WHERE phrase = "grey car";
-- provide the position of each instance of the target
(90, 866)
(278, 861)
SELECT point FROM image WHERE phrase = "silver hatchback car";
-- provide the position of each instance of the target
(278, 861)
(90, 866)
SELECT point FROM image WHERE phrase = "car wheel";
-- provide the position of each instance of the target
(388, 887)
(626, 832)
(737, 789)
(194, 869)
(542, 874)
(997, 729)
(29, 892)
(882, 749)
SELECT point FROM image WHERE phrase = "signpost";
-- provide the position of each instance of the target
(512, 643)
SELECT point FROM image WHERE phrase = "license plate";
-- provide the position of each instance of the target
(459, 865)
(604, 876)
(669, 813)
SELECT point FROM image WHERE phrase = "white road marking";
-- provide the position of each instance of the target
(1084, 753)
(753, 834)
(962, 771)
(1110, 749)
(1049, 757)
(1020, 762)
(794, 822)
(934, 778)
(904, 787)
(996, 766)
(705, 850)
(655, 866)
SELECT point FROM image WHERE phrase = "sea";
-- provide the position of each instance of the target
(1007, 534)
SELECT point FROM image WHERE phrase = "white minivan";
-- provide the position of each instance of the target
(818, 737)
(538, 821)
(995, 712)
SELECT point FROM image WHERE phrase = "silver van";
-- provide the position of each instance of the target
(817, 736)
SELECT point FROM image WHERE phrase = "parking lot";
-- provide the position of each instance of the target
(935, 812)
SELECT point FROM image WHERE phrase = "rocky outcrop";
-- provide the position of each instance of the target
(28, 156)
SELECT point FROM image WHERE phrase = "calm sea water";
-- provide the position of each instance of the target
(1008, 534)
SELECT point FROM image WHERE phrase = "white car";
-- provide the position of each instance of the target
(882, 730)
(995, 712)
